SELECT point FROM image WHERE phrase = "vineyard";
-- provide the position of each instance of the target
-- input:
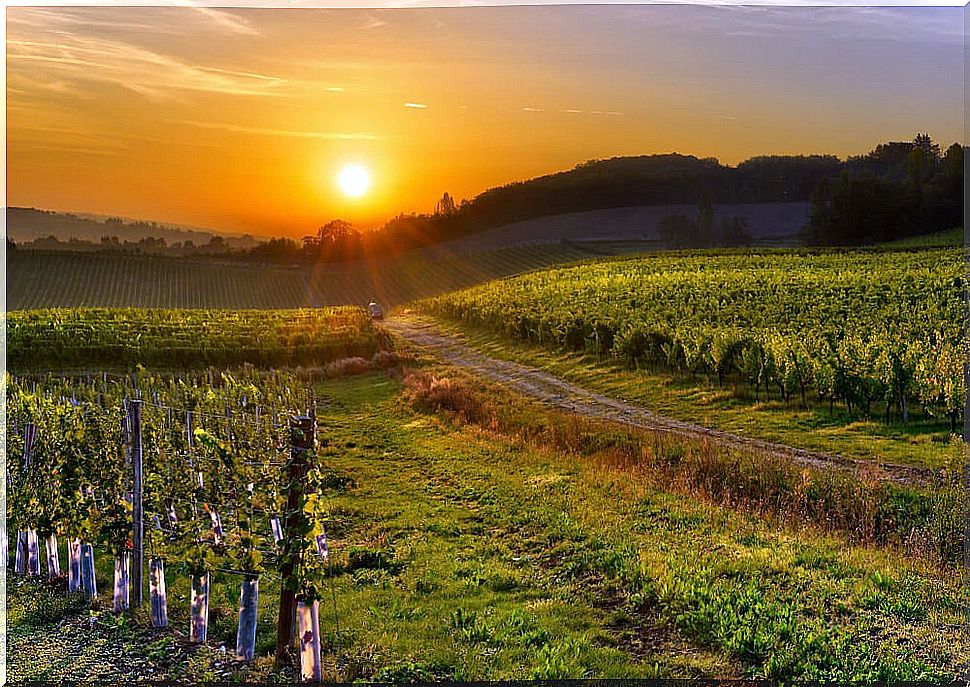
(123, 338)
(451, 553)
(873, 331)
(219, 484)
(212, 476)
(47, 279)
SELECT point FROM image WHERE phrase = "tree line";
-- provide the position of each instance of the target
(895, 191)
(898, 189)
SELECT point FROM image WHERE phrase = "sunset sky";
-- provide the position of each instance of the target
(241, 120)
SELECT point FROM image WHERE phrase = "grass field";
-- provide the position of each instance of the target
(952, 238)
(45, 279)
(463, 552)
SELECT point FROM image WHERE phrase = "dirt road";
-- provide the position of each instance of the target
(557, 392)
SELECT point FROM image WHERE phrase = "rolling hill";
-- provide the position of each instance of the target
(767, 223)
(48, 279)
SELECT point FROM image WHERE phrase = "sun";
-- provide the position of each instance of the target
(353, 181)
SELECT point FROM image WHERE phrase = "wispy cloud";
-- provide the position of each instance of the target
(227, 21)
(287, 133)
(35, 147)
(416, 106)
(372, 21)
(68, 20)
(898, 24)
(71, 18)
(532, 109)
(91, 58)
(85, 45)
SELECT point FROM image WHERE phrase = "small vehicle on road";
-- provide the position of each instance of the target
(376, 312)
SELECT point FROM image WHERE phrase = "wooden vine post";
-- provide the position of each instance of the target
(302, 440)
(137, 509)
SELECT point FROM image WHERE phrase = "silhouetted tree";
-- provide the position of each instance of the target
(897, 190)
(678, 231)
(733, 232)
(705, 220)
(445, 206)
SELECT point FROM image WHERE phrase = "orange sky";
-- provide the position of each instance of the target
(240, 119)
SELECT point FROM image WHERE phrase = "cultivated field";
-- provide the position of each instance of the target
(469, 540)
(767, 223)
(458, 517)
(42, 279)
(89, 339)
(858, 337)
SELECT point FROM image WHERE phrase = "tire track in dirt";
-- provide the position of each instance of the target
(559, 393)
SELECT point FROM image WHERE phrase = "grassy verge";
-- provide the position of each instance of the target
(948, 238)
(812, 427)
(462, 552)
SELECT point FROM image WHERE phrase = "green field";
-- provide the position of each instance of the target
(953, 238)
(102, 338)
(46, 279)
(856, 353)
(477, 535)
(469, 553)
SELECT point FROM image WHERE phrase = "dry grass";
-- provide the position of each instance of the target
(348, 367)
(926, 523)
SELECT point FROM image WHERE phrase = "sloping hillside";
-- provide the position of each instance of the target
(28, 224)
(48, 279)
(767, 223)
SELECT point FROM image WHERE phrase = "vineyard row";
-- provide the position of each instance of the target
(857, 328)
(238, 494)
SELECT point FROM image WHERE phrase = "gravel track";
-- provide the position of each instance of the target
(559, 393)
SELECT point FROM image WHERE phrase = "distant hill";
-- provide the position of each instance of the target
(767, 223)
(899, 189)
(626, 182)
(28, 224)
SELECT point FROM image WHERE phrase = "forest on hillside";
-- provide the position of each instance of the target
(897, 190)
